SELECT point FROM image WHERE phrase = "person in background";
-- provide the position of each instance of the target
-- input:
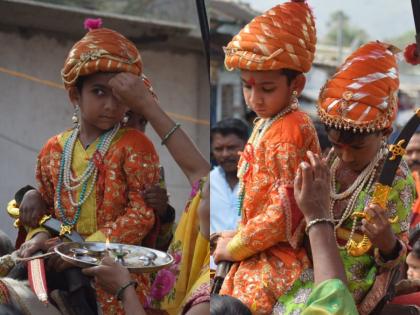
(227, 138)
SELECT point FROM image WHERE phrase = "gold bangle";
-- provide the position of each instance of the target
(317, 221)
(170, 132)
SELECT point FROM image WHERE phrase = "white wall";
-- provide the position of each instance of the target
(31, 112)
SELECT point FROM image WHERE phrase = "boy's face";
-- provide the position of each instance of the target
(356, 154)
(413, 263)
(99, 108)
(266, 92)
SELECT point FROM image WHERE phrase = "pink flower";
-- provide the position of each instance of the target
(92, 24)
(163, 284)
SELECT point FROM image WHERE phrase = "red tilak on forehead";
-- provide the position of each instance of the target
(251, 81)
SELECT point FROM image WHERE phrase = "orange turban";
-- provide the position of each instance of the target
(101, 50)
(284, 37)
(362, 95)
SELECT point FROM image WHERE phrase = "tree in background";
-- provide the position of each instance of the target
(343, 33)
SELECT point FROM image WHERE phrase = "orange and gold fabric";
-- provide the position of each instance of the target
(115, 209)
(282, 37)
(268, 241)
(362, 95)
(102, 50)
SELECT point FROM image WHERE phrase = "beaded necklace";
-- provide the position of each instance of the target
(364, 179)
(254, 140)
(70, 183)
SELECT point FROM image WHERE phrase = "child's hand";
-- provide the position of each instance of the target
(378, 229)
(221, 252)
(30, 247)
(131, 91)
(156, 198)
(32, 208)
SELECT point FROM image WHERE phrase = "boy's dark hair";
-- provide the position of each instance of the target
(414, 234)
(227, 305)
(290, 74)
(322, 136)
(416, 249)
(79, 83)
(348, 136)
(231, 126)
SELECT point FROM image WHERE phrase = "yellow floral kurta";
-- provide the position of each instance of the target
(115, 209)
(268, 239)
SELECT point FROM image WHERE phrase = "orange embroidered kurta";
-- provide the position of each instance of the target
(115, 209)
(269, 236)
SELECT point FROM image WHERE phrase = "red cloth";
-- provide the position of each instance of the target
(407, 299)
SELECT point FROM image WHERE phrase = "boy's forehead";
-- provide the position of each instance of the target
(260, 76)
(100, 78)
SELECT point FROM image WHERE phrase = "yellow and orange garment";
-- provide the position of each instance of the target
(115, 208)
(268, 242)
(191, 251)
(362, 95)
(283, 37)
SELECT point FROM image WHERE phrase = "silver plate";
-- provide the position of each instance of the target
(137, 259)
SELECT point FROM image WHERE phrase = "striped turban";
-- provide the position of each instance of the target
(362, 95)
(101, 50)
(284, 37)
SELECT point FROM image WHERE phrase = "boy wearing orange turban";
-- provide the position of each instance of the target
(90, 176)
(357, 106)
(272, 52)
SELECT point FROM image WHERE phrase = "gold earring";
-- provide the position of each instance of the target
(294, 104)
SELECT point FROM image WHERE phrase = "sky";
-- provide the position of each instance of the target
(381, 19)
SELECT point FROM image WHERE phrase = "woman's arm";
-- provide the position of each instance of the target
(130, 90)
(312, 194)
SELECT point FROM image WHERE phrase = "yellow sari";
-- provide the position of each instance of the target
(191, 251)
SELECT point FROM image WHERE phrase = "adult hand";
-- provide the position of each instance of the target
(156, 197)
(38, 242)
(378, 229)
(55, 262)
(109, 275)
(312, 188)
(32, 208)
(131, 91)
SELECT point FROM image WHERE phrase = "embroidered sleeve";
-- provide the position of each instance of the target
(44, 179)
(45, 183)
(141, 169)
(279, 220)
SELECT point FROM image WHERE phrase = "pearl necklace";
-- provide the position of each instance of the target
(364, 179)
(255, 139)
(71, 183)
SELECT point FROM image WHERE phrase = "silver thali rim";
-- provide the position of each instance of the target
(83, 264)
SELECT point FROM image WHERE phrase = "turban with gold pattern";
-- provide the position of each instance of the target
(283, 37)
(362, 95)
